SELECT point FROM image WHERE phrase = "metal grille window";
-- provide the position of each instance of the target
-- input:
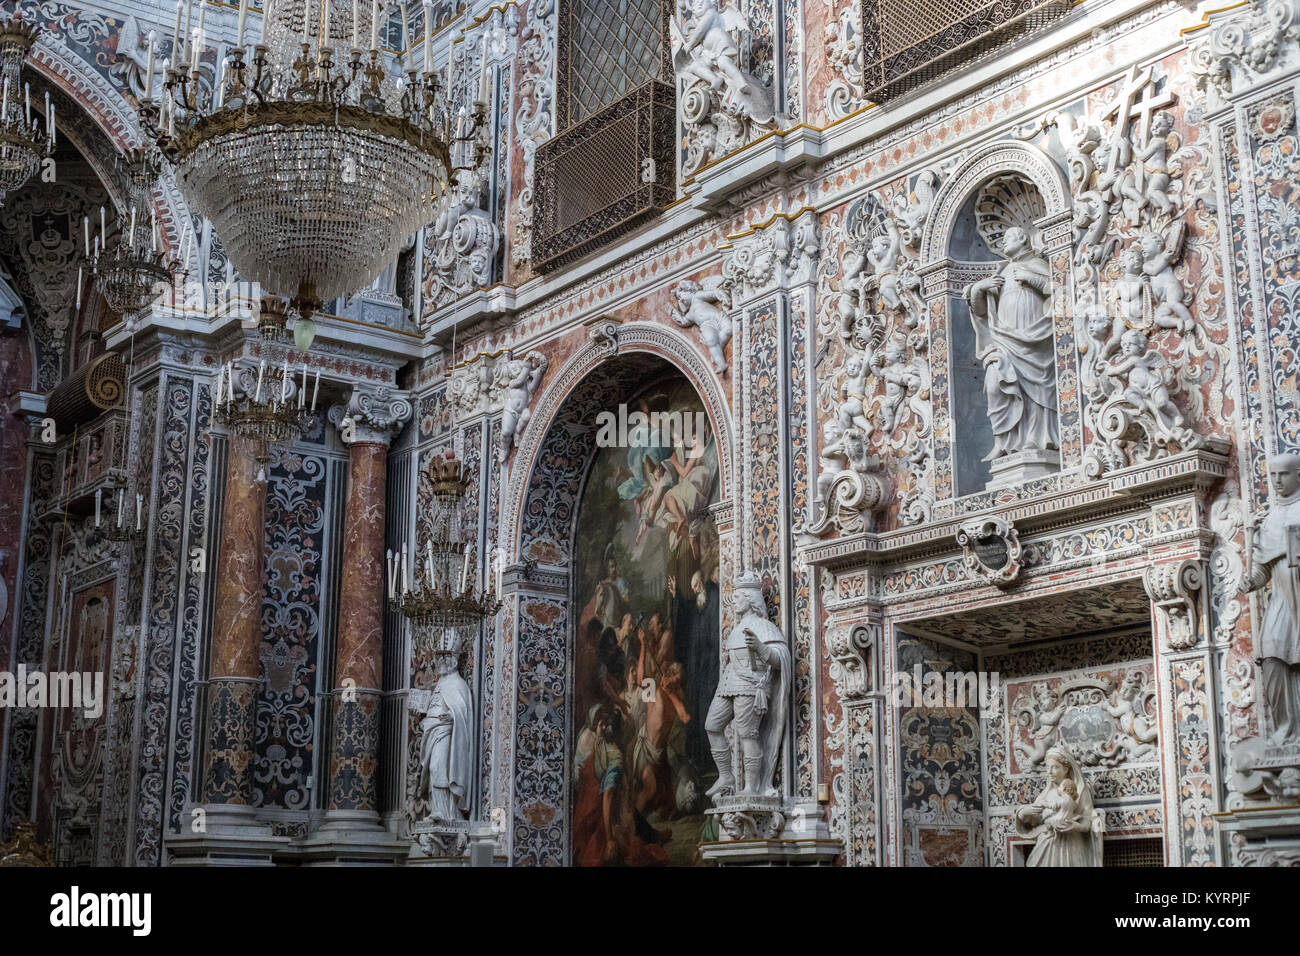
(613, 47)
(909, 42)
(613, 164)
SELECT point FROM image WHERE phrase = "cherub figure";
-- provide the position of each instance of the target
(1136, 732)
(1163, 143)
(519, 379)
(1104, 331)
(1147, 376)
(833, 459)
(1159, 257)
(705, 307)
(1130, 287)
(709, 51)
(853, 395)
(900, 380)
(1041, 718)
(883, 258)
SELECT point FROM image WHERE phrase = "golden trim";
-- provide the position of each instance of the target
(756, 227)
(1233, 813)
(1205, 17)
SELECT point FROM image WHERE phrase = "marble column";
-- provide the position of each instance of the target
(236, 634)
(367, 424)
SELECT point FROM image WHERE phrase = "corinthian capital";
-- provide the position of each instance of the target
(373, 414)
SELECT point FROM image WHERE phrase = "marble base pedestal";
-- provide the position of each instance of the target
(769, 831)
(454, 843)
(1023, 466)
(231, 835)
(1264, 802)
(351, 838)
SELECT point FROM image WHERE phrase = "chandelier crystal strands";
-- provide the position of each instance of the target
(267, 406)
(438, 591)
(314, 157)
(139, 268)
(23, 143)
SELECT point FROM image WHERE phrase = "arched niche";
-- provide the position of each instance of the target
(1000, 186)
(535, 759)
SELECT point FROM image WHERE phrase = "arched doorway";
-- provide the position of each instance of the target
(558, 485)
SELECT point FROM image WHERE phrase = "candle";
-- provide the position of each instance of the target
(356, 24)
(374, 27)
(85, 222)
(261, 371)
(284, 382)
(47, 109)
(103, 222)
(302, 392)
(428, 560)
(428, 36)
(388, 565)
(51, 128)
(139, 508)
(464, 571)
(153, 232)
(325, 23)
(4, 109)
(189, 20)
(314, 390)
(220, 96)
(196, 49)
(406, 37)
(171, 121)
(406, 575)
(121, 505)
(27, 95)
(78, 288)
(239, 27)
(176, 33)
(148, 72)
(130, 236)
(230, 388)
(99, 497)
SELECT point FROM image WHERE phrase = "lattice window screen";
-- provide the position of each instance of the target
(1147, 851)
(614, 46)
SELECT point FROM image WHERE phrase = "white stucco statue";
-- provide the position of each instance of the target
(446, 744)
(752, 697)
(1012, 315)
(1066, 826)
(516, 382)
(1272, 561)
(704, 305)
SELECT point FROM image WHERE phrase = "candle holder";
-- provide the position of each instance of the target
(23, 144)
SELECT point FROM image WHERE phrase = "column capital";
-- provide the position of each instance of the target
(372, 414)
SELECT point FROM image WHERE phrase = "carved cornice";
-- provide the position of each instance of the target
(372, 415)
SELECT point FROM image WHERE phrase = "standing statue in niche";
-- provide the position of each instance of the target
(752, 697)
(446, 744)
(1066, 827)
(1274, 549)
(1011, 312)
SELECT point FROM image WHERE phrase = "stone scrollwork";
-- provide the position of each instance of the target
(844, 53)
(1173, 589)
(848, 669)
(372, 414)
(722, 105)
(464, 240)
(783, 252)
(1102, 725)
(471, 386)
(1244, 46)
(991, 550)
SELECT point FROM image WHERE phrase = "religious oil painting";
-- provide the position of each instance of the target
(646, 649)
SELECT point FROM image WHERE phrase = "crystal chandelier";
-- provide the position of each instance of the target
(23, 144)
(120, 515)
(312, 160)
(437, 591)
(265, 407)
(139, 268)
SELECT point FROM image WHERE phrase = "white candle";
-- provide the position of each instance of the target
(220, 96)
(27, 96)
(356, 24)
(428, 560)
(148, 72)
(4, 109)
(374, 27)
(103, 222)
(483, 76)
(315, 390)
(388, 564)
(406, 37)
(464, 571)
(78, 288)
(196, 49)
(284, 382)
(406, 574)
(325, 23)
(171, 121)
(130, 236)
(261, 371)
(99, 497)
(121, 505)
(85, 222)
(47, 110)
(139, 508)
(428, 36)
(52, 129)
(221, 378)
(302, 392)
(176, 33)
(239, 27)
(189, 21)
(153, 232)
